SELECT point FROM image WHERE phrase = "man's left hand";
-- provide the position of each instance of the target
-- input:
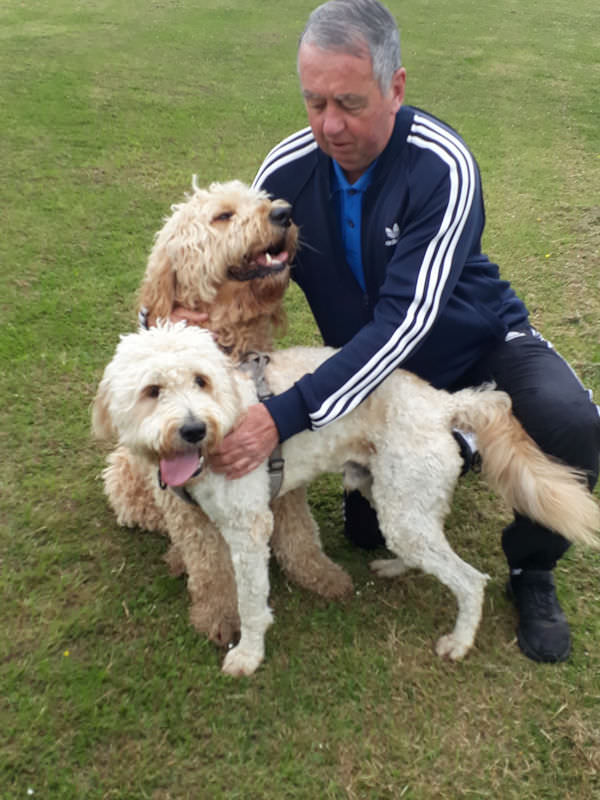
(248, 445)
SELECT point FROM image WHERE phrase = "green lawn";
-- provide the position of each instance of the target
(106, 110)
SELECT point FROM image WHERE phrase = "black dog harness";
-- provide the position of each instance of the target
(254, 364)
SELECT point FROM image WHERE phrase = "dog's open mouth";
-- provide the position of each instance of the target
(181, 467)
(265, 263)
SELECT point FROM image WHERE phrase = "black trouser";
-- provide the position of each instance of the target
(557, 412)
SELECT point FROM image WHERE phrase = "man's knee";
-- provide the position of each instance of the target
(585, 432)
(578, 439)
(567, 428)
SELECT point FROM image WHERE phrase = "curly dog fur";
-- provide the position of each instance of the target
(170, 395)
(226, 251)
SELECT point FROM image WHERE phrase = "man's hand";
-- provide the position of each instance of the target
(248, 445)
(181, 314)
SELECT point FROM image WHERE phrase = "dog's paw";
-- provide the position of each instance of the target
(449, 646)
(335, 584)
(388, 567)
(241, 662)
(222, 627)
(320, 575)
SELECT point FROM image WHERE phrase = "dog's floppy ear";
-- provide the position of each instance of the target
(157, 292)
(102, 424)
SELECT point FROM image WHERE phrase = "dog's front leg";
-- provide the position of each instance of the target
(248, 542)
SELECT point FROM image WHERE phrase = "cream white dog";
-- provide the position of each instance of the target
(170, 395)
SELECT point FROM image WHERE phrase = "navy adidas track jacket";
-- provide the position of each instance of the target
(434, 303)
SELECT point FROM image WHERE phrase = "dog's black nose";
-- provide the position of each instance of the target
(281, 215)
(193, 432)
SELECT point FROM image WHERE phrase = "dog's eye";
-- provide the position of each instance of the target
(152, 391)
(224, 216)
(200, 381)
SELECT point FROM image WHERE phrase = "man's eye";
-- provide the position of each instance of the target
(351, 107)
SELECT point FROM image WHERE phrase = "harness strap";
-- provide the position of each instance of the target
(254, 363)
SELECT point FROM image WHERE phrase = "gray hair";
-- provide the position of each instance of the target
(350, 26)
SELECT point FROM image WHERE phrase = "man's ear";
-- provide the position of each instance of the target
(398, 87)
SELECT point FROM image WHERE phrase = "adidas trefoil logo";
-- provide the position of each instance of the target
(393, 234)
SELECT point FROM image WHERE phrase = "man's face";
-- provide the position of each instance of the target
(350, 118)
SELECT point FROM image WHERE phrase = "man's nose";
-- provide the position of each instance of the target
(333, 122)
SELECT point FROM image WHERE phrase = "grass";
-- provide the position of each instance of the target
(107, 109)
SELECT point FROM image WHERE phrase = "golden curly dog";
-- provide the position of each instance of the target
(170, 395)
(226, 251)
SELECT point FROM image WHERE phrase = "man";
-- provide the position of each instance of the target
(389, 203)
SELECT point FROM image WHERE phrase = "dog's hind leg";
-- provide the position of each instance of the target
(296, 545)
(468, 585)
(411, 513)
(424, 547)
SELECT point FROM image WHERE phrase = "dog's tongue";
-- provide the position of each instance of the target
(176, 471)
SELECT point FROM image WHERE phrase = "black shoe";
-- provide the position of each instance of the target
(360, 522)
(543, 631)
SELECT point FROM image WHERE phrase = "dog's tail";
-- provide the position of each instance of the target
(534, 484)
